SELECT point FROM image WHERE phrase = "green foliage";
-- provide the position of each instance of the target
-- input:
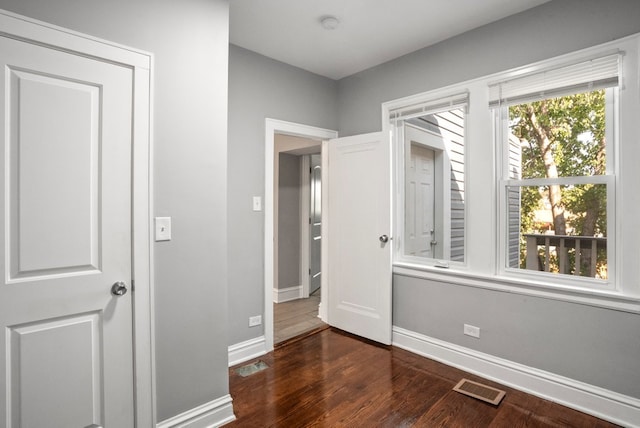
(575, 126)
(572, 130)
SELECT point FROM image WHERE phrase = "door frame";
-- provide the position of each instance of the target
(273, 127)
(141, 63)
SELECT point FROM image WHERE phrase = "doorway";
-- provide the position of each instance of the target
(279, 129)
(297, 244)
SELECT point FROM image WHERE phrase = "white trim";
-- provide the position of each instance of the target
(34, 31)
(581, 295)
(272, 127)
(483, 239)
(323, 308)
(25, 28)
(604, 404)
(305, 225)
(281, 295)
(247, 350)
(209, 415)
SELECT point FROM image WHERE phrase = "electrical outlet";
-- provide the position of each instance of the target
(471, 330)
(254, 321)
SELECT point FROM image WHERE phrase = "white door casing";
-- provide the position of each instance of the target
(357, 219)
(273, 127)
(72, 230)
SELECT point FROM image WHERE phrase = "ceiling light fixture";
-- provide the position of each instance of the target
(329, 22)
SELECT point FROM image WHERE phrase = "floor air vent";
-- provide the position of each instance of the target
(480, 391)
(252, 368)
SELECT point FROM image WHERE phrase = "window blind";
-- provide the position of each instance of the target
(429, 107)
(590, 75)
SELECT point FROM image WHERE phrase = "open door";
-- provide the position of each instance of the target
(315, 223)
(357, 230)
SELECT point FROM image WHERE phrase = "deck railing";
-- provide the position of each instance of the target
(584, 246)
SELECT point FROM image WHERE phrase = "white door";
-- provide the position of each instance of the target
(419, 195)
(315, 224)
(66, 339)
(358, 224)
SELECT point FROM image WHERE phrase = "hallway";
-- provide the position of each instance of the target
(295, 317)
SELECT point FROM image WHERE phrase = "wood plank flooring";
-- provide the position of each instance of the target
(334, 379)
(295, 317)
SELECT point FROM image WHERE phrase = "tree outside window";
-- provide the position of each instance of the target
(560, 141)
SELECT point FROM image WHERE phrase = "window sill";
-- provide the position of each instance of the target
(459, 276)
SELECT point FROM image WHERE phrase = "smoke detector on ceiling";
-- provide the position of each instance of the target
(329, 22)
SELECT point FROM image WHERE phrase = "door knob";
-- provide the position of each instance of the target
(384, 239)
(119, 289)
(94, 426)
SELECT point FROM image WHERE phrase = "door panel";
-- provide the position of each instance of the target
(358, 215)
(316, 224)
(72, 349)
(54, 150)
(66, 350)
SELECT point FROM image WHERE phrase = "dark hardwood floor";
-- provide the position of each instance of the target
(333, 379)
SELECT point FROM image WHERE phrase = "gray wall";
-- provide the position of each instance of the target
(289, 183)
(554, 28)
(190, 41)
(594, 345)
(261, 88)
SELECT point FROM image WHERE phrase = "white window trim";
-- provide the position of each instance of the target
(609, 180)
(483, 260)
(443, 210)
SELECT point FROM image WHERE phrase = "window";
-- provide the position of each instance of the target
(558, 176)
(534, 182)
(430, 149)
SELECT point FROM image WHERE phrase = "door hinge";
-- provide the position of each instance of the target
(133, 286)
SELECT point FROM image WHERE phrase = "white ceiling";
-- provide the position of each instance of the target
(369, 32)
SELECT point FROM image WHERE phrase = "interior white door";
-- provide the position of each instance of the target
(315, 224)
(358, 224)
(66, 338)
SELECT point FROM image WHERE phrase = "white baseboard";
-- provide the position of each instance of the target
(281, 295)
(210, 415)
(247, 350)
(599, 402)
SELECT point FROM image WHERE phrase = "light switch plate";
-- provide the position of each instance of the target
(257, 203)
(163, 228)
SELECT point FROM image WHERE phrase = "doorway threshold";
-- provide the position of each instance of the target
(301, 336)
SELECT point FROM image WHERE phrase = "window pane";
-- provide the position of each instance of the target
(434, 186)
(558, 137)
(568, 239)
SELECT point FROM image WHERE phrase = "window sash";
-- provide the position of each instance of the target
(563, 181)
